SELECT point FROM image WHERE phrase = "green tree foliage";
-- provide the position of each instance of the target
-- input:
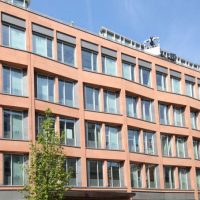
(47, 175)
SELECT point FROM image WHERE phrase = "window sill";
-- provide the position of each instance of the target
(142, 153)
(103, 112)
(64, 145)
(171, 125)
(14, 95)
(142, 120)
(17, 140)
(105, 149)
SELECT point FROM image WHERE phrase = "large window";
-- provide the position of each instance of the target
(169, 177)
(131, 106)
(136, 179)
(175, 85)
(110, 102)
(15, 125)
(69, 131)
(196, 147)
(149, 142)
(67, 93)
(166, 145)
(189, 88)
(193, 119)
(14, 37)
(151, 173)
(183, 178)
(161, 81)
(164, 114)
(198, 177)
(145, 76)
(14, 81)
(181, 147)
(89, 60)
(133, 140)
(179, 119)
(128, 71)
(93, 132)
(66, 53)
(91, 98)
(114, 174)
(72, 167)
(95, 173)
(147, 110)
(113, 138)
(42, 45)
(45, 88)
(14, 169)
(109, 65)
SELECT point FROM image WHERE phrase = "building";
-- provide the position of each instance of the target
(131, 119)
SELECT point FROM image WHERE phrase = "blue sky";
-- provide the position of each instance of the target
(176, 22)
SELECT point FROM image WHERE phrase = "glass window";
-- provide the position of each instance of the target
(136, 178)
(196, 147)
(131, 106)
(193, 118)
(199, 90)
(128, 71)
(113, 139)
(145, 76)
(71, 166)
(151, 173)
(176, 85)
(161, 81)
(42, 45)
(169, 177)
(164, 114)
(95, 173)
(109, 66)
(89, 60)
(110, 102)
(181, 147)
(45, 88)
(183, 178)
(91, 98)
(93, 132)
(147, 110)
(14, 37)
(66, 53)
(66, 93)
(14, 172)
(198, 177)
(133, 140)
(114, 174)
(20, 3)
(179, 117)
(149, 143)
(166, 145)
(189, 88)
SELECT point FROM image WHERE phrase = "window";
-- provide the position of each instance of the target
(89, 60)
(20, 3)
(66, 53)
(68, 130)
(14, 81)
(71, 166)
(151, 173)
(198, 177)
(45, 88)
(189, 88)
(114, 174)
(183, 178)
(196, 147)
(128, 71)
(15, 125)
(14, 169)
(136, 179)
(166, 145)
(131, 106)
(110, 102)
(199, 89)
(179, 117)
(176, 85)
(193, 118)
(95, 173)
(113, 138)
(67, 93)
(14, 37)
(181, 147)
(149, 143)
(133, 140)
(109, 65)
(93, 132)
(161, 81)
(42, 45)
(164, 114)
(145, 76)
(91, 98)
(147, 110)
(169, 177)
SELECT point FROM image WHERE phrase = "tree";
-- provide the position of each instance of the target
(47, 176)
